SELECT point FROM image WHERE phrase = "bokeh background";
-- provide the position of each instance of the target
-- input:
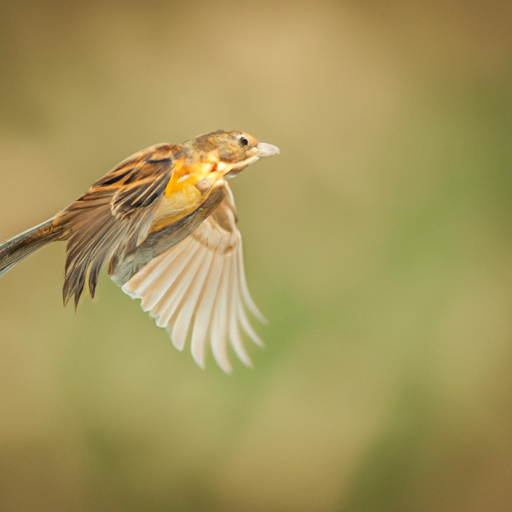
(378, 244)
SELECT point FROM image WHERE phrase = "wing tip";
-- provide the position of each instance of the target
(199, 360)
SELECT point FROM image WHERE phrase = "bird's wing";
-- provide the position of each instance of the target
(197, 289)
(114, 216)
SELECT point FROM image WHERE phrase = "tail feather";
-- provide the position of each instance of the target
(19, 247)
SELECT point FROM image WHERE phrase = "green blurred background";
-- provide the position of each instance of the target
(378, 245)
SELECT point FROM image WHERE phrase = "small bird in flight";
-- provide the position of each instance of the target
(165, 221)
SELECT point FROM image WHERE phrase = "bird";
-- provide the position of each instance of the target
(164, 223)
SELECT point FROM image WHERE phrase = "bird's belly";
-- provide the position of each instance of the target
(173, 208)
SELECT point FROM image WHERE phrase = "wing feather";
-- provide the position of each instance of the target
(166, 280)
(234, 331)
(174, 296)
(114, 216)
(202, 322)
(184, 317)
(155, 267)
(198, 348)
(245, 290)
(219, 320)
(198, 292)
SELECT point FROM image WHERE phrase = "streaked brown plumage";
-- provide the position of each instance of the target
(165, 221)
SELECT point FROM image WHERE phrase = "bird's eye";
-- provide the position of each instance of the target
(244, 140)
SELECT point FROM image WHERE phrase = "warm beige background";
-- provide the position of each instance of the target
(378, 244)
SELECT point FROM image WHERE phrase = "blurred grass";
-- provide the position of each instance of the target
(378, 244)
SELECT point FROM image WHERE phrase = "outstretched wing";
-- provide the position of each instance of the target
(197, 289)
(114, 216)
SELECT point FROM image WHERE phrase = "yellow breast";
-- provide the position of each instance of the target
(182, 196)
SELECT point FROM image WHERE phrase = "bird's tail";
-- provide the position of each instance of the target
(19, 247)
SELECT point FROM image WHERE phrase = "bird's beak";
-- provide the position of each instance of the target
(263, 151)
(267, 150)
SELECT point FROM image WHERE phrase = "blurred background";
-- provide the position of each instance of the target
(378, 244)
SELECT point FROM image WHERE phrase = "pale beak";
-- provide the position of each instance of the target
(263, 151)
(267, 150)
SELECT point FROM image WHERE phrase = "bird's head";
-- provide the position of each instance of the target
(231, 152)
